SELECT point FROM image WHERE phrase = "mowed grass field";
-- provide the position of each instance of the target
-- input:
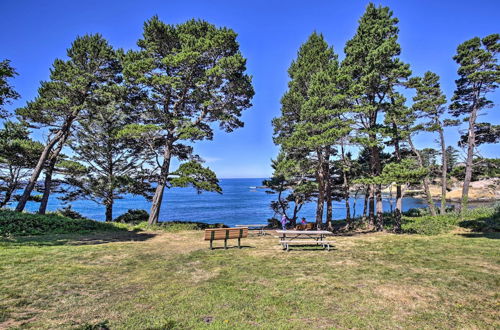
(159, 280)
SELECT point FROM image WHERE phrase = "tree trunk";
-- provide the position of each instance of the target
(160, 188)
(346, 186)
(64, 130)
(471, 144)
(321, 191)
(371, 206)
(109, 210)
(399, 207)
(46, 188)
(444, 169)
(399, 195)
(430, 202)
(48, 174)
(376, 169)
(328, 191)
(365, 202)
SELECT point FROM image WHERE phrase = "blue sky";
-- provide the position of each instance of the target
(34, 33)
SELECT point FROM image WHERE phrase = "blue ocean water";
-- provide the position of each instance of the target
(240, 203)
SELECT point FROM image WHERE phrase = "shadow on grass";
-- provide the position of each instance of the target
(232, 247)
(490, 235)
(95, 238)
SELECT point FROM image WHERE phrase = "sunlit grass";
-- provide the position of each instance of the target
(171, 280)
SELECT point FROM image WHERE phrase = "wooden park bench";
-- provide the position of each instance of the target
(218, 234)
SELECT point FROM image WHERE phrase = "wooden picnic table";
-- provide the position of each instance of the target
(293, 237)
(260, 227)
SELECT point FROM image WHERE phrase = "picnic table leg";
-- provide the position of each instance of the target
(239, 245)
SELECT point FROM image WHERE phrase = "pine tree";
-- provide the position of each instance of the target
(310, 122)
(373, 66)
(291, 176)
(397, 119)
(429, 105)
(63, 100)
(7, 92)
(193, 76)
(18, 156)
(113, 163)
(479, 74)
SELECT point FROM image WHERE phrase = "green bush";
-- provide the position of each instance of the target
(429, 225)
(68, 212)
(482, 219)
(176, 226)
(20, 224)
(133, 216)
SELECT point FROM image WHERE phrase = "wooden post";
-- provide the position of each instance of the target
(212, 235)
(225, 239)
(239, 238)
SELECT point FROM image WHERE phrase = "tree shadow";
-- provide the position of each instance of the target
(95, 238)
(490, 235)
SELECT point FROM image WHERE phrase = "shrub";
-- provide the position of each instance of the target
(482, 219)
(68, 212)
(19, 224)
(429, 225)
(133, 216)
(177, 226)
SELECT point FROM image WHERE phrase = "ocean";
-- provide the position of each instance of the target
(241, 202)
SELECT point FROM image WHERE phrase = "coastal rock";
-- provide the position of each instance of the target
(479, 191)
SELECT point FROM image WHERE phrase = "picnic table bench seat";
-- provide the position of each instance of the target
(216, 234)
(324, 244)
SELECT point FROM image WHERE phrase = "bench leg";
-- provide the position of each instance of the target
(225, 244)
(287, 248)
(239, 243)
(211, 246)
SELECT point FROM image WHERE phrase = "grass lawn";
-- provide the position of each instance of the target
(171, 280)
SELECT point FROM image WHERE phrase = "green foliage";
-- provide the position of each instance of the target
(18, 155)
(175, 226)
(479, 74)
(429, 225)
(482, 219)
(483, 168)
(21, 224)
(68, 212)
(193, 174)
(133, 216)
(7, 92)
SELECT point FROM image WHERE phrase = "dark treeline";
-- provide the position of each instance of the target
(113, 120)
(334, 108)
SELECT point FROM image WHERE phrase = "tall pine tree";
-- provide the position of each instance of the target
(193, 76)
(374, 68)
(479, 74)
(64, 99)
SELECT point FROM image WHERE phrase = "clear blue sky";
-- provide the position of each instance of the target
(34, 33)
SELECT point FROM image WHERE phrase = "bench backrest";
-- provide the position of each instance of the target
(223, 233)
(307, 226)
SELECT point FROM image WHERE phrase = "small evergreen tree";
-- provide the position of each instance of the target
(429, 103)
(18, 156)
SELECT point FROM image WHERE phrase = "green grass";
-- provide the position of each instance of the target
(161, 280)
